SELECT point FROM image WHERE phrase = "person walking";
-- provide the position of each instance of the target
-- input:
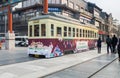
(99, 41)
(118, 49)
(114, 43)
(108, 42)
(0, 45)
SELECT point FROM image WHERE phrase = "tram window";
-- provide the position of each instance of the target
(90, 33)
(83, 33)
(95, 35)
(73, 32)
(59, 31)
(86, 33)
(80, 33)
(30, 31)
(77, 32)
(65, 31)
(69, 32)
(52, 29)
(43, 30)
(36, 30)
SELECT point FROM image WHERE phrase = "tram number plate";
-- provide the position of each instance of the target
(36, 55)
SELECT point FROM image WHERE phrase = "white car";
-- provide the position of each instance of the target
(21, 41)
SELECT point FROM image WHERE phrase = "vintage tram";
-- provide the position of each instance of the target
(54, 35)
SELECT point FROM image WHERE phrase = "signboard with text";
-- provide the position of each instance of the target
(5, 2)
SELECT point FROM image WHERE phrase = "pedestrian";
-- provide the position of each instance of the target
(0, 45)
(99, 41)
(118, 49)
(114, 43)
(108, 42)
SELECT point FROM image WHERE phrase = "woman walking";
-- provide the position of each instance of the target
(99, 41)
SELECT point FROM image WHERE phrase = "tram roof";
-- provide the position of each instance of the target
(61, 18)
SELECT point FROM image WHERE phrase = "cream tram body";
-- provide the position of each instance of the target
(52, 35)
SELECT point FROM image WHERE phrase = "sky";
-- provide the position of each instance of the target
(109, 6)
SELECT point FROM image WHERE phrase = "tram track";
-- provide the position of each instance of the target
(101, 68)
(72, 70)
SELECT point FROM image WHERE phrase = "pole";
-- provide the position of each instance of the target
(9, 19)
(5, 23)
(45, 6)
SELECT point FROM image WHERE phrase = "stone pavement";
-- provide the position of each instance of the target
(87, 69)
(42, 67)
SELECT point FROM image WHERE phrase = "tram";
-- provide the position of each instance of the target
(54, 35)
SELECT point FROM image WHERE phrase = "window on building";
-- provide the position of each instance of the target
(30, 31)
(65, 31)
(59, 31)
(71, 4)
(77, 7)
(43, 30)
(36, 30)
(54, 1)
(82, 9)
(49, 1)
(57, 1)
(65, 2)
(65, 13)
(52, 29)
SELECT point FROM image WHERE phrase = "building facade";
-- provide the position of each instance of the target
(99, 19)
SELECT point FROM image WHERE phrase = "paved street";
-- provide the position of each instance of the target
(87, 69)
(14, 56)
(43, 67)
(16, 64)
(111, 71)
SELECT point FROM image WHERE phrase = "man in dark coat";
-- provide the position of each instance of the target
(114, 43)
(99, 41)
(108, 42)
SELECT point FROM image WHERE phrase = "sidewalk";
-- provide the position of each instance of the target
(42, 67)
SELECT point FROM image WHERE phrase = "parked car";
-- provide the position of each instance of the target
(21, 40)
